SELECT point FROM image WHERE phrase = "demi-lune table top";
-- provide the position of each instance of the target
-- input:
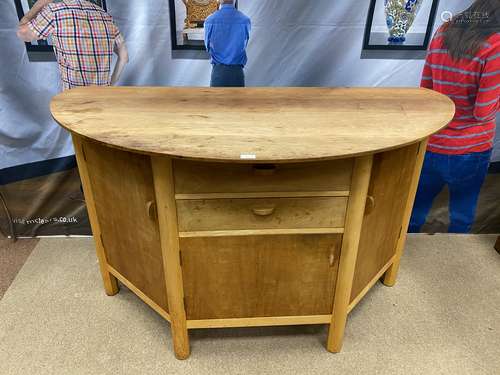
(253, 124)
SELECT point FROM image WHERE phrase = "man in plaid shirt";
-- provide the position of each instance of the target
(84, 38)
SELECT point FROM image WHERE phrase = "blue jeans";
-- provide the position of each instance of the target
(464, 175)
(227, 76)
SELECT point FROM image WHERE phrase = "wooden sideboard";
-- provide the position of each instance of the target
(250, 207)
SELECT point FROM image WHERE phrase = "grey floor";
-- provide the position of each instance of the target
(12, 258)
(442, 317)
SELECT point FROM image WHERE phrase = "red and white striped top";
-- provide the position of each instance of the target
(473, 83)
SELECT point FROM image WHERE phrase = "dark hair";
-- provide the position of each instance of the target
(465, 33)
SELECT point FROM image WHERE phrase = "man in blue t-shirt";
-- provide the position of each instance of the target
(227, 32)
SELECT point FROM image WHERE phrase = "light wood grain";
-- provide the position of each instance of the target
(167, 220)
(122, 183)
(349, 251)
(259, 276)
(270, 213)
(260, 322)
(202, 178)
(369, 285)
(260, 232)
(392, 174)
(148, 301)
(270, 124)
(261, 226)
(110, 283)
(392, 272)
(284, 194)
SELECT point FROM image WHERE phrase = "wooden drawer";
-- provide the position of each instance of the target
(202, 178)
(269, 213)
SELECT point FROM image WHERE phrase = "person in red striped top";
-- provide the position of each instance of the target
(463, 62)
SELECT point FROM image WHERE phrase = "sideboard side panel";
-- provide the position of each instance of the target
(389, 186)
(122, 183)
(110, 281)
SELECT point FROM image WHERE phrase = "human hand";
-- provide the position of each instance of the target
(25, 34)
(24, 21)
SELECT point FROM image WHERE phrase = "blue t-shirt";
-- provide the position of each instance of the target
(227, 32)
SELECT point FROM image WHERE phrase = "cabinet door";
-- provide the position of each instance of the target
(259, 276)
(389, 186)
(122, 184)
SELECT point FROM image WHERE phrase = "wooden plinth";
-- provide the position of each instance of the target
(276, 224)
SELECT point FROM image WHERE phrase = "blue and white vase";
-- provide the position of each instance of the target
(400, 15)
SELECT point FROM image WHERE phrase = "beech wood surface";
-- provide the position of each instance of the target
(167, 222)
(205, 178)
(277, 213)
(259, 322)
(261, 226)
(392, 175)
(259, 276)
(349, 251)
(253, 124)
(391, 274)
(109, 281)
(122, 184)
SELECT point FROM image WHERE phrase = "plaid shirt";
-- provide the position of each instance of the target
(83, 35)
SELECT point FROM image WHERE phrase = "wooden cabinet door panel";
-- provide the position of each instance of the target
(259, 276)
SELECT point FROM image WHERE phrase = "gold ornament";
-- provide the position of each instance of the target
(198, 11)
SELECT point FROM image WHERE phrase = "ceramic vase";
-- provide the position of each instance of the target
(400, 15)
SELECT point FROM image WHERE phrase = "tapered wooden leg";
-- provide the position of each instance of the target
(167, 221)
(392, 273)
(110, 282)
(349, 252)
(497, 245)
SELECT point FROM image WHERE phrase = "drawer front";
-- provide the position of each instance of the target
(272, 213)
(199, 178)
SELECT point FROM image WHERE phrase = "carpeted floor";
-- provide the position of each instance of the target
(12, 257)
(443, 317)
